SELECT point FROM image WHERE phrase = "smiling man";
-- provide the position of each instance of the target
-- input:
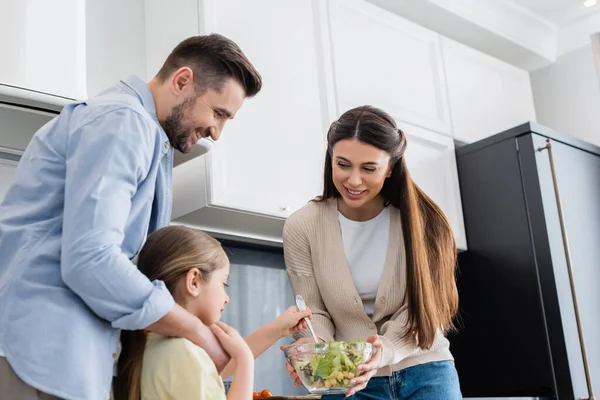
(91, 185)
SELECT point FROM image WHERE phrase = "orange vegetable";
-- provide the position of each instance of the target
(256, 395)
(266, 393)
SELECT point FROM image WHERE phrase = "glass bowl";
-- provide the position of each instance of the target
(327, 368)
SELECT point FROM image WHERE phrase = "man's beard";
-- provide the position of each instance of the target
(176, 129)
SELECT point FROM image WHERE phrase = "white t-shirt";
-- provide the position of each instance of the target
(365, 245)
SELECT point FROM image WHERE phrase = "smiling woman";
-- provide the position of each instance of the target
(374, 257)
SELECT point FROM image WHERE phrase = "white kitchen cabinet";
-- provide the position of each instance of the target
(431, 161)
(70, 48)
(43, 46)
(388, 62)
(270, 157)
(269, 160)
(487, 96)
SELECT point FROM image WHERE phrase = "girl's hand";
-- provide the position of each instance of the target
(291, 321)
(231, 341)
(370, 368)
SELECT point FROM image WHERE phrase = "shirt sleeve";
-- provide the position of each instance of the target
(395, 347)
(106, 160)
(299, 267)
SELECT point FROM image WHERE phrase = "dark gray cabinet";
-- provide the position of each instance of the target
(517, 328)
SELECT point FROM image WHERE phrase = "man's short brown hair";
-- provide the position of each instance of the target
(214, 59)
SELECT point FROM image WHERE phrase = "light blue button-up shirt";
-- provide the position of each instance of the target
(91, 185)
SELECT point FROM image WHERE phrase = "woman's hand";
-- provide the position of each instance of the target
(370, 368)
(231, 341)
(292, 320)
(290, 369)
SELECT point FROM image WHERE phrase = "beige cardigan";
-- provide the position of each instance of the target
(318, 270)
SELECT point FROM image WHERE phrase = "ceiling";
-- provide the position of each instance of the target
(529, 34)
(560, 13)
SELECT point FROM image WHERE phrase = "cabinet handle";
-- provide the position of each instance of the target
(563, 231)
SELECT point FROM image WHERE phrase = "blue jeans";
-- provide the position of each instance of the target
(431, 381)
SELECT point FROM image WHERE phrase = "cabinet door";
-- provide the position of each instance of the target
(487, 96)
(388, 62)
(578, 177)
(43, 46)
(269, 158)
(431, 161)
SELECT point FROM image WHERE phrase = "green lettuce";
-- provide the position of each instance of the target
(334, 368)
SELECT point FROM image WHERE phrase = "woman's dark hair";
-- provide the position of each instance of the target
(430, 246)
(168, 254)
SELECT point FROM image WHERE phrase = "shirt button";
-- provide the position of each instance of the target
(114, 356)
(373, 326)
(382, 300)
(167, 145)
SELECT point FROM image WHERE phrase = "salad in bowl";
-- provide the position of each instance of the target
(328, 368)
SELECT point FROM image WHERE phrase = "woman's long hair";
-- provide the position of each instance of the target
(431, 292)
(168, 254)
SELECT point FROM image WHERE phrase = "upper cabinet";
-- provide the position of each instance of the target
(43, 46)
(318, 59)
(269, 160)
(70, 48)
(385, 61)
(270, 157)
(487, 96)
(431, 162)
(388, 62)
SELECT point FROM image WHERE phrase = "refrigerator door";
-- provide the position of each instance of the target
(578, 179)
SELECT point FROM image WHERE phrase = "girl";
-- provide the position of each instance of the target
(375, 259)
(195, 269)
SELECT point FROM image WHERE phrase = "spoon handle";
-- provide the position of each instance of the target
(302, 306)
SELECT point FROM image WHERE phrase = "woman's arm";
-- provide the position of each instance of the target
(395, 347)
(298, 262)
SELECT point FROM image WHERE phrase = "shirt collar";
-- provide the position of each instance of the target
(140, 88)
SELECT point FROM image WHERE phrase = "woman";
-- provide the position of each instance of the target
(374, 257)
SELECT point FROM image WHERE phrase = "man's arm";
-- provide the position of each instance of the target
(106, 160)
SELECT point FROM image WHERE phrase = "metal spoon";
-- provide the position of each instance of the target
(302, 306)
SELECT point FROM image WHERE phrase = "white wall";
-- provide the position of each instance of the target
(567, 95)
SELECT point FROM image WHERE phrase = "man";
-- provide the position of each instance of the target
(91, 185)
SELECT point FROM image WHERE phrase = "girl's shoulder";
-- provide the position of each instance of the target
(176, 367)
(177, 350)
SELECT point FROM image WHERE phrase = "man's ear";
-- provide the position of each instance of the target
(181, 80)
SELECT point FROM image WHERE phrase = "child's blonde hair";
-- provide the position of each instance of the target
(168, 254)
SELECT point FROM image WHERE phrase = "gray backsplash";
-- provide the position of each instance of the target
(259, 291)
